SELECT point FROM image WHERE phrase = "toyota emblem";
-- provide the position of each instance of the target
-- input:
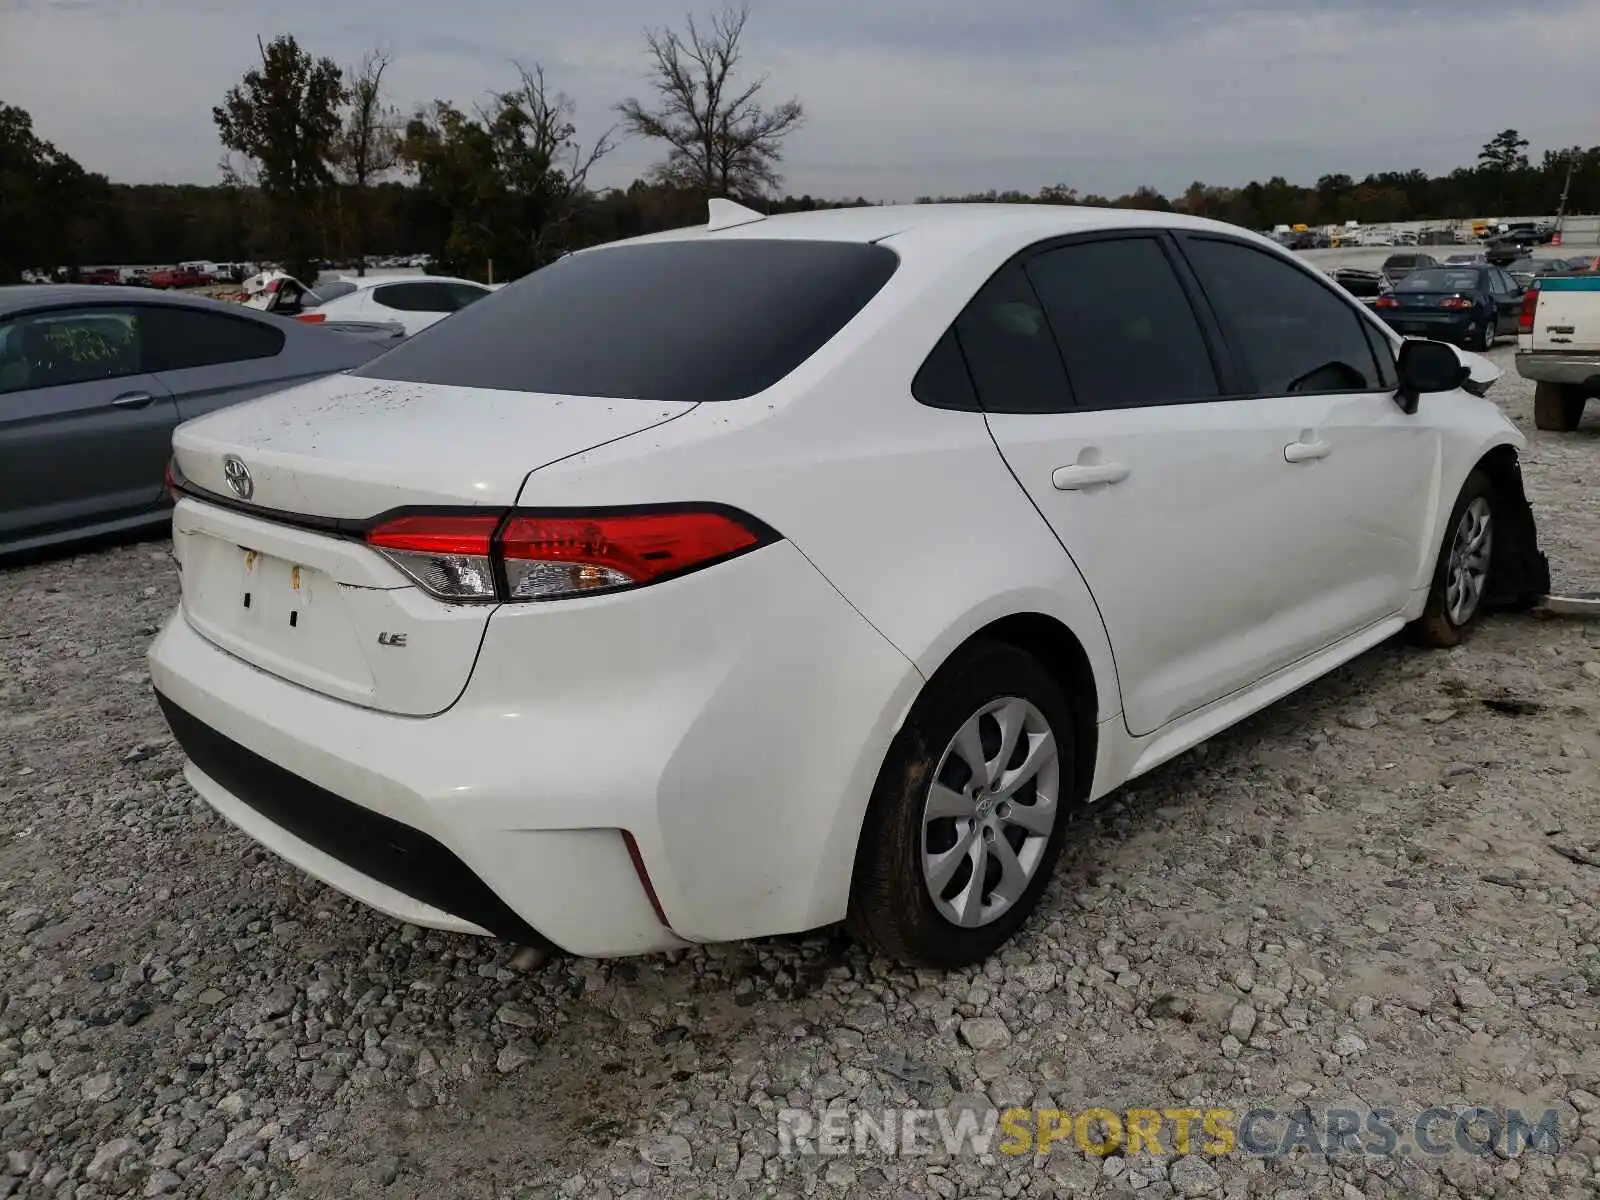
(238, 477)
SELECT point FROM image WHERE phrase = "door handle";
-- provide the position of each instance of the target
(132, 400)
(1076, 478)
(1299, 452)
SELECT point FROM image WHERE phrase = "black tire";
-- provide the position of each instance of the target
(891, 909)
(1436, 626)
(1484, 340)
(1557, 407)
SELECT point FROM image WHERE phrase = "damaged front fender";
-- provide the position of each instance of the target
(1521, 573)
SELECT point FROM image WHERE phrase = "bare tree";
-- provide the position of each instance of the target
(723, 142)
(511, 176)
(368, 145)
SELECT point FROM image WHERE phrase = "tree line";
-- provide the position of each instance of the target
(321, 165)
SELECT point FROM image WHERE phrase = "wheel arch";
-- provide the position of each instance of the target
(1062, 654)
(1522, 573)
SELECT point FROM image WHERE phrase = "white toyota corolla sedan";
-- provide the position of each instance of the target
(761, 575)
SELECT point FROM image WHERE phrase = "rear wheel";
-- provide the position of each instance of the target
(1484, 338)
(965, 823)
(1461, 579)
(1557, 407)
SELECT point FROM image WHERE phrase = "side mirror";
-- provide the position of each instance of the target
(1428, 367)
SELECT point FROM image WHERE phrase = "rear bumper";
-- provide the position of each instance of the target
(731, 722)
(1545, 367)
(1421, 324)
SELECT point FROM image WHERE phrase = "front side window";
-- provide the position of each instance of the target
(1288, 331)
(81, 345)
(1127, 332)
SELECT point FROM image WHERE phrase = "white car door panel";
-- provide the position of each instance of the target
(1234, 506)
(1369, 467)
(1178, 507)
(1196, 552)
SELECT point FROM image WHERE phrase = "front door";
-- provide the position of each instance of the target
(1173, 497)
(85, 432)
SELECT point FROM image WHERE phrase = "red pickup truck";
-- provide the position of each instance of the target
(177, 277)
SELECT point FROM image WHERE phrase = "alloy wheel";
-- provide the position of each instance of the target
(1468, 571)
(990, 811)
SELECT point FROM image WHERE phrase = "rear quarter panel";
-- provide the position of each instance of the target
(308, 353)
(909, 511)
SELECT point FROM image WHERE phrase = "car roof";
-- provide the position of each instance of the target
(23, 296)
(375, 278)
(877, 222)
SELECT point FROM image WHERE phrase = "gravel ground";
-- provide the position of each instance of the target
(1359, 897)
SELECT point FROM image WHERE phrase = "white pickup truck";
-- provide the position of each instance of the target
(1558, 347)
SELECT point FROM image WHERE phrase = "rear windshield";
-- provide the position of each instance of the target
(1433, 280)
(679, 321)
(1401, 260)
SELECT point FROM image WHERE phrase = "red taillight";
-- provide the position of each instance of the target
(550, 556)
(1530, 301)
(447, 554)
(170, 482)
(1387, 302)
(1455, 302)
(312, 318)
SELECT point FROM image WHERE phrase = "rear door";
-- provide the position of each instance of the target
(1367, 470)
(85, 430)
(1172, 497)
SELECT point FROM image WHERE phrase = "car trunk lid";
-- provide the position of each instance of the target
(1429, 300)
(269, 537)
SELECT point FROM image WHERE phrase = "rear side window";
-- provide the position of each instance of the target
(1015, 364)
(177, 339)
(459, 295)
(691, 320)
(1127, 331)
(1288, 331)
(943, 381)
(413, 297)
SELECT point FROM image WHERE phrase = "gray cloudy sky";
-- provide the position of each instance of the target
(905, 97)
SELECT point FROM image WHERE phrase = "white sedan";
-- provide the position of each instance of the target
(413, 302)
(762, 575)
